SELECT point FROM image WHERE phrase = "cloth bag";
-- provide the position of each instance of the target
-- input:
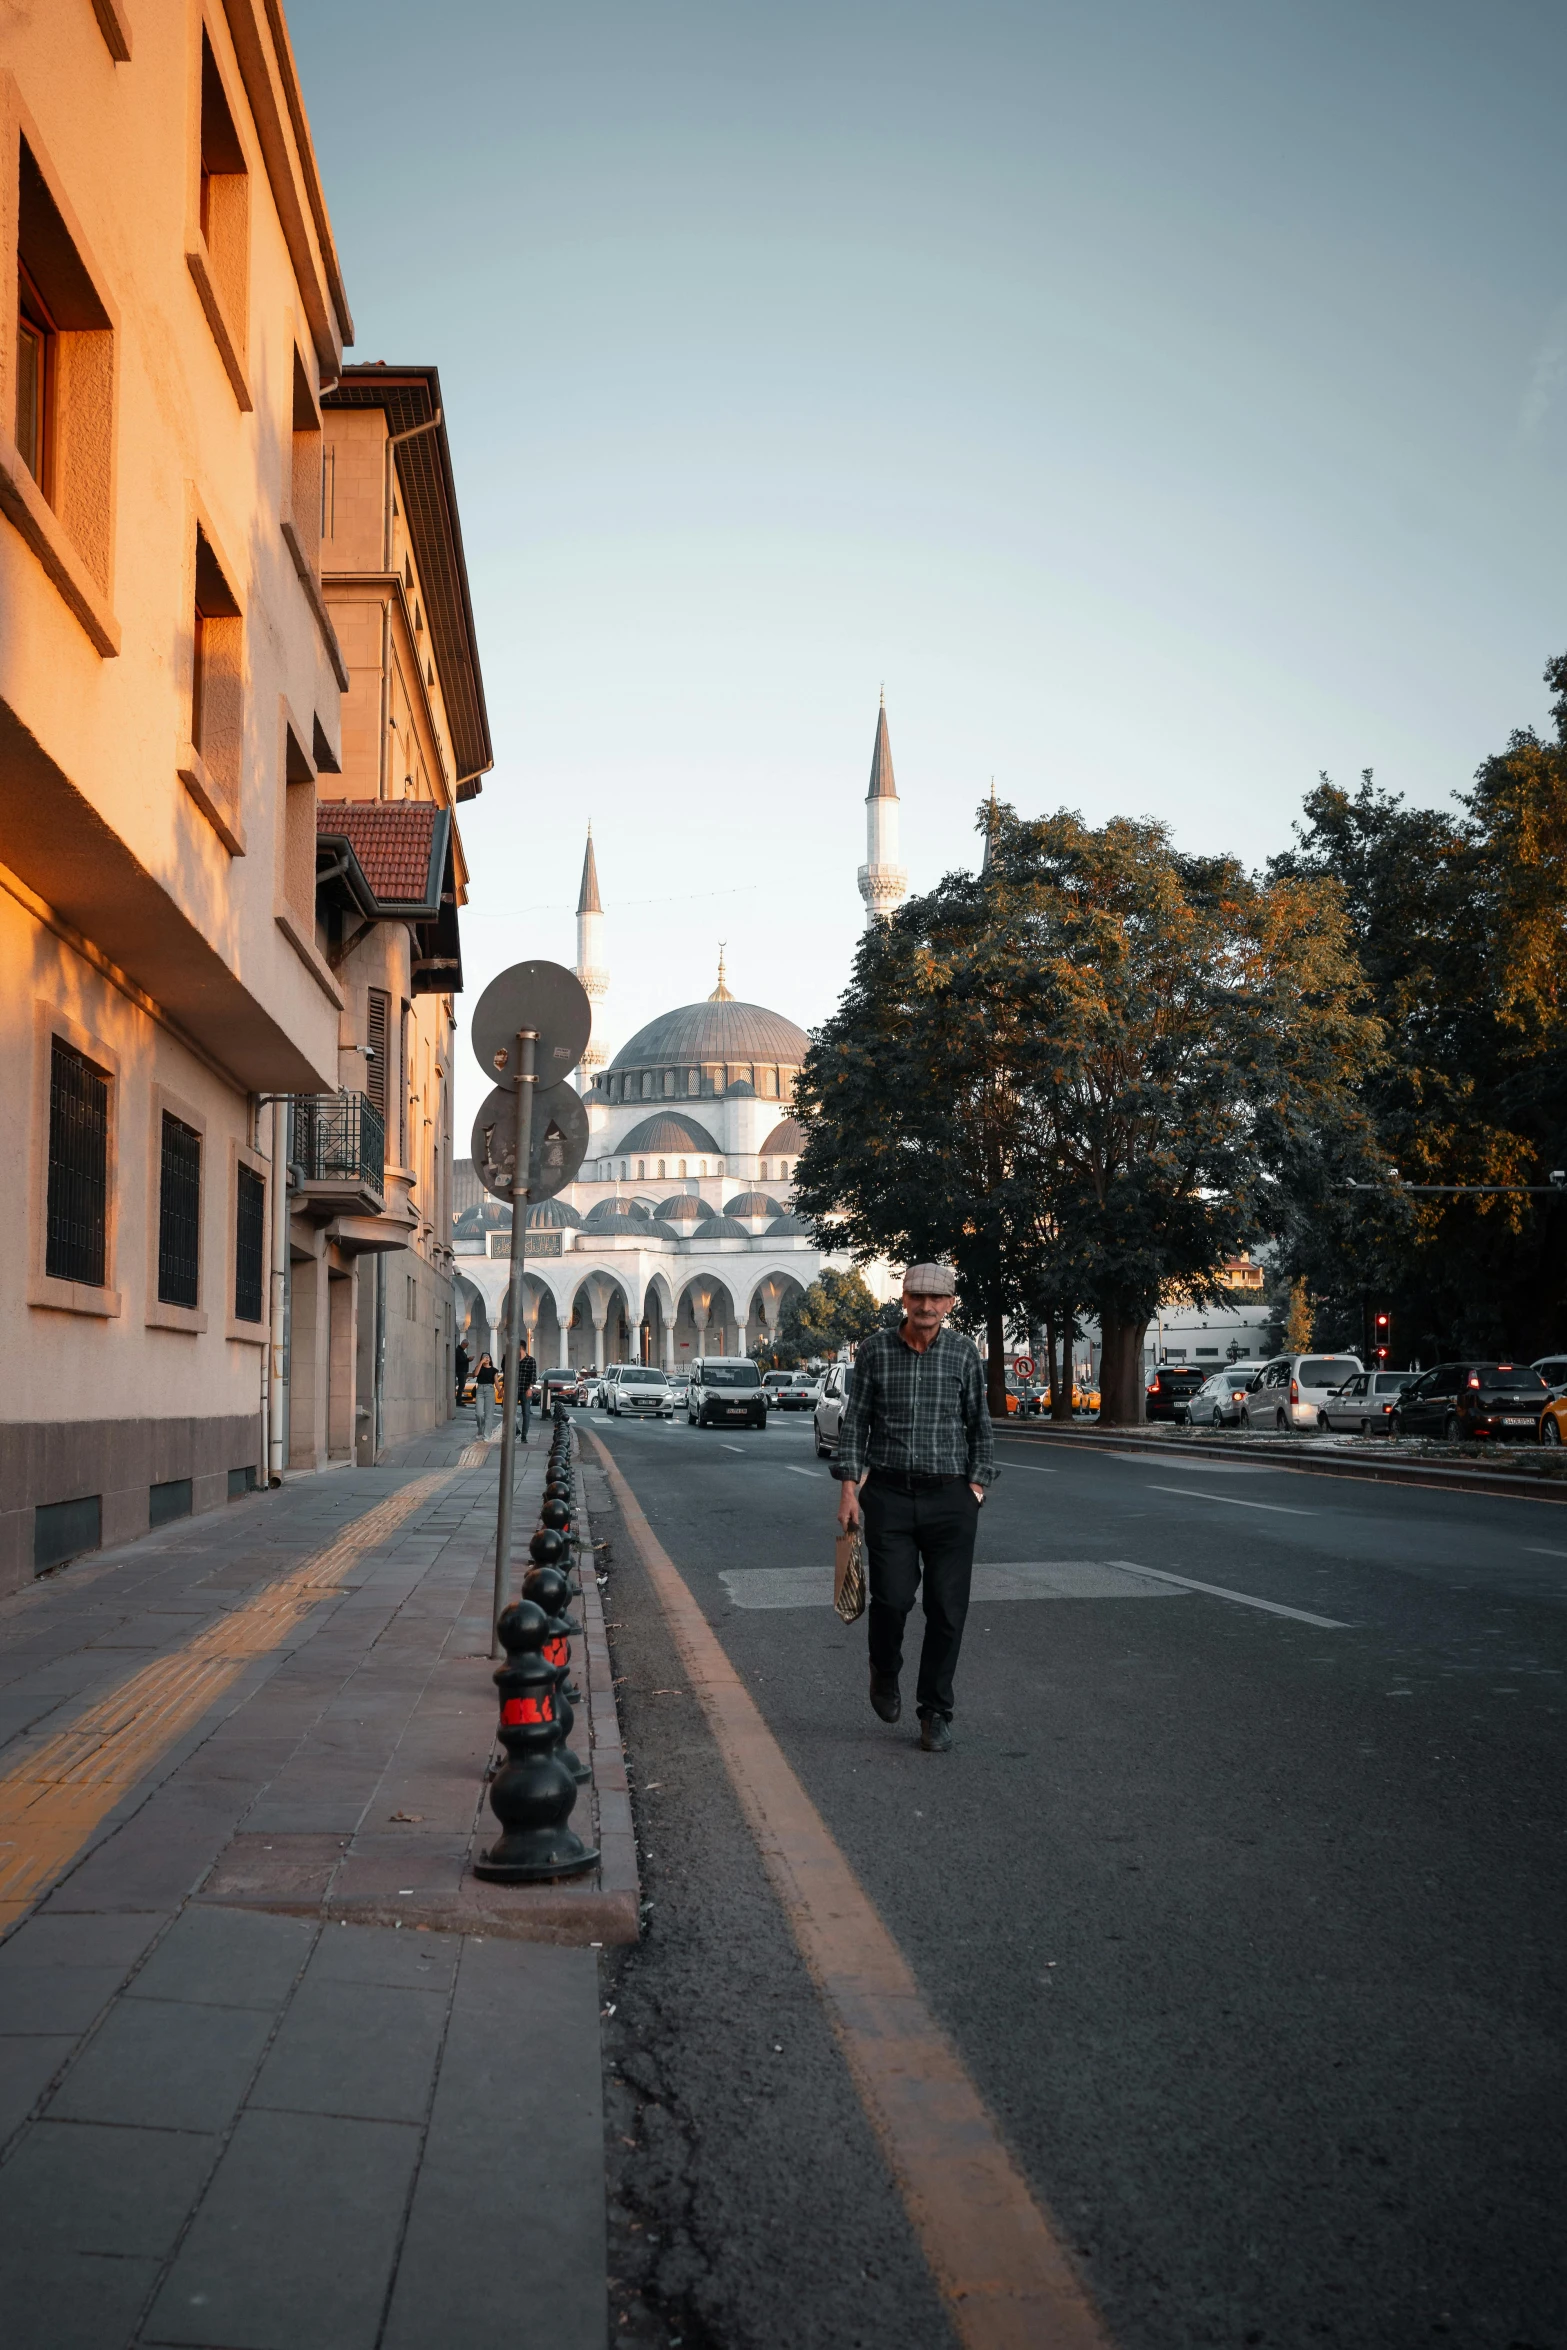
(848, 1582)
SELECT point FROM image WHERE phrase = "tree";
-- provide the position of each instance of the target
(1078, 1073)
(1459, 915)
(837, 1310)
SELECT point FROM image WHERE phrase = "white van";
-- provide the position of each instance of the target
(1291, 1391)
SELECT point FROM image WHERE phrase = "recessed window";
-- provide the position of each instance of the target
(37, 342)
(377, 1027)
(224, 208)
(78, 1207)
(305, 491)
(250, 1210)
(179, 1214)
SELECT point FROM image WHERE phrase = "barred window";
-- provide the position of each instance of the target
(179, 1214)
(249, 1234)
(78, 1209)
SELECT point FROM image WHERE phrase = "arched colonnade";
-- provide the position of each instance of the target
(585, 1318)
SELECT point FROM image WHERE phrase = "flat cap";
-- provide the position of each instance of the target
(930, 1281)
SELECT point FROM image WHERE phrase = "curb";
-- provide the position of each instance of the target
(1434, 1476)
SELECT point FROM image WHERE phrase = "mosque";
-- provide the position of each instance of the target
(677, 1239)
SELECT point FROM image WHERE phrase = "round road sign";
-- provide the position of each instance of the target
(1023, 1365)
(542, 996)
(560, 1141)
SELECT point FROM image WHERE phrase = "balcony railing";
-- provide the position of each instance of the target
(338, 1147)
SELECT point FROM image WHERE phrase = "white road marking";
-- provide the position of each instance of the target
(1269, 1607)
(1032, 1468)
(1535, 1552)
(1233, 1501)
(740, 1448)
(794, 1587)
(794, 1472)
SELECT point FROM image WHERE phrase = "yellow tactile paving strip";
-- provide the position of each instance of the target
(53, 1798)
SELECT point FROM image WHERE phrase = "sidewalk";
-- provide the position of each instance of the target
(274, 2069)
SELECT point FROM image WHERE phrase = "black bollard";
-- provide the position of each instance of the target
(556, 1514)
(546, 1587)
(533, 1793)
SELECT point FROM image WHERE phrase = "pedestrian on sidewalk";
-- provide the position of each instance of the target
(527, 1373)
(462, 1359)
(914, 1456)
(483, 1393)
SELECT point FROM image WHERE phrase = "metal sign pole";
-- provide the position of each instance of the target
(527, 1046)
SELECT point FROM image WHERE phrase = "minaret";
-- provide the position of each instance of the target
(883, 883)
(590, 963)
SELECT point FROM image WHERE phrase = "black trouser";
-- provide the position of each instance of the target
(905, 1532)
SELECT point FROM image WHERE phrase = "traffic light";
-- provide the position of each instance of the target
(1384, 1331)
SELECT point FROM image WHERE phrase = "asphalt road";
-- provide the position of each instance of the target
(1248, 1926)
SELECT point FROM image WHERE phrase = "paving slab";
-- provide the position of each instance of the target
(82, 2187)
(71, 2300)
(168, 2064)
(214, 1959)
(364, 2050)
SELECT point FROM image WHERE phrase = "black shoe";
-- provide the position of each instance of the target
(935, 1734)
(885, 1697)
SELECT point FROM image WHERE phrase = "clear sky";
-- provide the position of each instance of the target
(1164, 401)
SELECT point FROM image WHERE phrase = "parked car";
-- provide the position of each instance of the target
(1553, 1370)
(1290, 1391)
(1172, 1383)
(836, 1382)
(1364, 1405)
(561, 1386)
(1461, 1401)
(1217, 1403)
(679, 1389)
(639, 1389)
(600, 1385)
(726, 1392)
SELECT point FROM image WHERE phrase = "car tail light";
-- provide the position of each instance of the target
(1473, 1381)
(1294, 1391)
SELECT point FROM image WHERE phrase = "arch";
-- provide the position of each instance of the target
(705, 1320)
(601, 1321)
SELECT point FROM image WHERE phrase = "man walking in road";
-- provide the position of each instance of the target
(914, 1455)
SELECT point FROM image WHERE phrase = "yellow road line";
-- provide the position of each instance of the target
(53, 1798)
(996, 2258)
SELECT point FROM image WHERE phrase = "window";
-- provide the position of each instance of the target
(305, 499)
(37, 340)
(682, 1168)
(642, 1170)
(250, 1208)
(179, 1214)
(63, 413)
(212, 777)
(78, 1209)
(329, 491)
(377, 1025)
(661, 1176)
(402, 1088)
(220, 264)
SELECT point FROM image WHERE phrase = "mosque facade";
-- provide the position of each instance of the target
(678, 1239)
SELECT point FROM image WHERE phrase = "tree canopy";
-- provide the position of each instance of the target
(1080, 1074)
(837, 1310)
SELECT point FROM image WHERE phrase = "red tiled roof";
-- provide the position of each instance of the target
(392, 841)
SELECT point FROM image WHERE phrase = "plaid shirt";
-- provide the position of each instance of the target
(920, 1415)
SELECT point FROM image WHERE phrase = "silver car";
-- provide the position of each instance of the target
(1553, 1370)
(638, 1390)
(836, 1381)
(1363, 1406)
(1217, 1403)
(1290, 1391)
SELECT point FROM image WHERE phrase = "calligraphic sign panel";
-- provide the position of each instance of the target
(560, 1141)
(545, 997)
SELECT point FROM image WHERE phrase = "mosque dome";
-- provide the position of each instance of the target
(487, 1215)
(725, 1033)
(721, 1228)
(752, 1203)
(684, 1208)
(553, 1215)
(787, 1227)
(668, 1130)
(616, 1215)
(788, 1135)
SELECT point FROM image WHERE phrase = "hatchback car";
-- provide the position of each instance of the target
(1171, 1384)
(1553, 1370)
(1290, 1391)
(641, 1392)
(1461, 1401)
(1217, 1403)
(1364, 1405)
(726, 1392)
(561, 1387)
(828, 1415)
(797, 1393)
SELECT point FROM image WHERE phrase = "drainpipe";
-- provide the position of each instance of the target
(277, 1337)
(378, 1403)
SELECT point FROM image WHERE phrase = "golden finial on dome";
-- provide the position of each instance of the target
(721, 994)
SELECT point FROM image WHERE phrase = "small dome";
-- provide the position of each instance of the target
(666, 1130)
(663, 1231)
(786, 1227)
(487, 1215)
(787, 1135)
(684, 1208)
(553, 1215)
(615, 1212)
(752, 1203)
(740, 1087)
(721, 1228)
